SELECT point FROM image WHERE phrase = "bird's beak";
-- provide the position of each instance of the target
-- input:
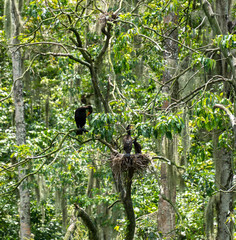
(88, 113)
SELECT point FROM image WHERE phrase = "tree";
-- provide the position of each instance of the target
(17, 69)
(135, 66)
(223, 157)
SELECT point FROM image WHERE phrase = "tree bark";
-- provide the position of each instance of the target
(93, 231)
(224, 201)
(166, 213)
(224, 181)
(223, 157)
(123, 184)
(17, 66)
(128, 205)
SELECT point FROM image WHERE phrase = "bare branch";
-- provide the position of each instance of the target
(67, 55)
(168, 161)
(80, 45)
(117, 201)
(120, 5)
(192, 94)
(172, 39)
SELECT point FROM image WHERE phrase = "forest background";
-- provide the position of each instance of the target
(167, 68)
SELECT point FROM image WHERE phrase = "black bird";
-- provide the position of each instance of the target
(137, 146)
(80, 118)
(127, 141)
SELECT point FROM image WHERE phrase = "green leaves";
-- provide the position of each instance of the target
(226, 41)
(206, 116)
(168, 125)
(208, 63)
(103, 124)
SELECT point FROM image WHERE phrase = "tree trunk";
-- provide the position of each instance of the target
(88, 222)
(123, 184)
(224, 201)
(64, 208)
(222, 12)
(128, 205)
(17, 66)
(223, 157)
(166, 213)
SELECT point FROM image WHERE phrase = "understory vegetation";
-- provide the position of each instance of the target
(165, 67)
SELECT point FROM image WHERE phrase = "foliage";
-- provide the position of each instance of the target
(131, 80)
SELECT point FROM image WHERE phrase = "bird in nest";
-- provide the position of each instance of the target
(137, 146)
(128, 141)
(81, 114)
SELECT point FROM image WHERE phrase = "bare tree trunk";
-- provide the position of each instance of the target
(123, 182)
(17, 65)
(64, 208)
(166, 212)
(223, 157)
(128, 205)
(224, 200)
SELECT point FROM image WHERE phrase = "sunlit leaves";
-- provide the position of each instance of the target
(161, 126)
(226, 41)
(208, 117)
(103, 125)
(208, 63)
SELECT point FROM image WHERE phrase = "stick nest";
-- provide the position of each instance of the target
(121, 163)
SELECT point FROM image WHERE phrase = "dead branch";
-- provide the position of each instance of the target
(67, 55)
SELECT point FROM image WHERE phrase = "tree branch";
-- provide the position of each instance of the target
(14, 82)
(88, 222)
(71, 229)
(230, 115)
(67, 55)
(192, 94)
(211, 17)
(98, 60)
(169, 162)
(80, 45)
(117, 201)
(217, 31)
(231, 118)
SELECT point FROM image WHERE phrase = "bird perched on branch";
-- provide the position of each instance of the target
(128, 141)
(137, 146)
(80, 118)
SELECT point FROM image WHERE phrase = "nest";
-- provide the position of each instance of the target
(121, 163)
